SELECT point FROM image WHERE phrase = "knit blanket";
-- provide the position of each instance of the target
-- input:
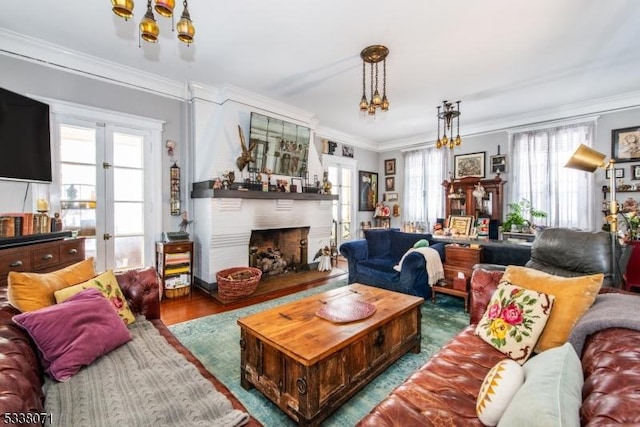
(608, 311)
(435, 270)
(145, 382)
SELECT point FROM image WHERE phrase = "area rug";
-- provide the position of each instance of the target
(214, 341)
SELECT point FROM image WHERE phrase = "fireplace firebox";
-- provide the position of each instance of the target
(279, 250)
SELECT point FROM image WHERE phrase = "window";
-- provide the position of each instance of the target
(538, 174)
(424, 171)
(104, 175)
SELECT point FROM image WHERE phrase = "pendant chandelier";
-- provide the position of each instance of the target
(149, 30)
(373, 55)
(447, 112)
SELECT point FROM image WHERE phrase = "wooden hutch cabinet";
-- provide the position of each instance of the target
(459, 199)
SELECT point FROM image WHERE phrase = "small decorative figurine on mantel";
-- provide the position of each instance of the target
(326, 184)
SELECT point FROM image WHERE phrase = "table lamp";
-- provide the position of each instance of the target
(589, 160)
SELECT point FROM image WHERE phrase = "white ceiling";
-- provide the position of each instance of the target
(503, 59)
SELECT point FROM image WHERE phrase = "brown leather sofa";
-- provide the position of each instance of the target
(21, 376)
(443, 392)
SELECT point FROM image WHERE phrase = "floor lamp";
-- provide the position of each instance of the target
(589, 160)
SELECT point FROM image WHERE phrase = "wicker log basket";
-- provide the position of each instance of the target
(237, 282)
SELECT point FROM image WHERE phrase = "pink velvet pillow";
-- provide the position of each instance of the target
(74, 333)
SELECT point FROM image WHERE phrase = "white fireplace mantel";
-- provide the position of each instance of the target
(223, 228)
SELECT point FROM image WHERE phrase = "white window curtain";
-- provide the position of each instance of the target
(539, 175)
(425, 170)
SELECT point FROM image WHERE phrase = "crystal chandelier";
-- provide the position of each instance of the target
(148, 27)
(447, 113)
(373, 55)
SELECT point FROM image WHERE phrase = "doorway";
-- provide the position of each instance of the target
(342, 175)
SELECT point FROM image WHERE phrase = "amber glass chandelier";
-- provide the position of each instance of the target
(447, 113)
(149, 30)
(373, 55)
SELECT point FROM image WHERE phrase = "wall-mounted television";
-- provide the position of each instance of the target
(25, 138)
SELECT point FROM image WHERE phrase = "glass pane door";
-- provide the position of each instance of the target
(342, 179)
(102, 192)
(78, 200)
(128, 200)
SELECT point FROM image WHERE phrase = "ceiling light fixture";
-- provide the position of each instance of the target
(373, 55)
(447, 113)
(149, 30)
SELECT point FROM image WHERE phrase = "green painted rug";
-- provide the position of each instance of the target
(214, 340)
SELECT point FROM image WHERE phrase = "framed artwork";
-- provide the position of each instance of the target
(367, 190)
(469, 165)
(390, 167)
(393, 197)
(498, 163)
(635, 172)
(460, 225)
(347, 150)
(625, 144)
(619, 173)
(390, 183)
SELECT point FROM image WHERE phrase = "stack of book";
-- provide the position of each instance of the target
(177, 270)
(22, 224)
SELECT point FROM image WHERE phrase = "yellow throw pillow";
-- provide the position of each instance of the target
(108, 285)
(32, 291)
(573, 297)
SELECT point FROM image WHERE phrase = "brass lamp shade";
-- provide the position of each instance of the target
(165, 7)
(123, 8)
(586, 159)
(149, 30)
(185, 27)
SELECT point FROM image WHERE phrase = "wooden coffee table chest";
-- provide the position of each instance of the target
(310, 366)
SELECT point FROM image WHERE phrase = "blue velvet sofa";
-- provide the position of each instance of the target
(371, 261)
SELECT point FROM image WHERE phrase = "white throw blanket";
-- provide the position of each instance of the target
(435, 270)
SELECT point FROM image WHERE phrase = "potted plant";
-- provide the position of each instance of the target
(520, 215)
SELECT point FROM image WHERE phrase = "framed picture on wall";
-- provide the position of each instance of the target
(635, 172)
(625, 144)
(367, 190)
(390, 183)
(619, 173)
(498, 163)
(391, 197)
(469, 165)
(390, 167)
(347, 150)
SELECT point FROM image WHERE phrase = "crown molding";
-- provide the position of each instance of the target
(579, 110)
(229, 93)
(51, 55)
(324, 132)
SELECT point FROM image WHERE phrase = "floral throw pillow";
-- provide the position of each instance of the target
(514, 320)
(108, 285)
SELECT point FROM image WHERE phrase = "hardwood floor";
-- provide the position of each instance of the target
(198, 303)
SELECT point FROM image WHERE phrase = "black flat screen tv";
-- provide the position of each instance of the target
(25, 138)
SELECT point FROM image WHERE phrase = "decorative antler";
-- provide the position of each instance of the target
(246, 156)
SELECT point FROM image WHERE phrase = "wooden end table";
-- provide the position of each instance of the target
(310, 366)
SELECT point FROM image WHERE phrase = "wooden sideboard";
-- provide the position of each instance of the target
(40, 257)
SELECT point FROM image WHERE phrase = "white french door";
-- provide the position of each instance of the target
(104, 175)
(342, 175)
